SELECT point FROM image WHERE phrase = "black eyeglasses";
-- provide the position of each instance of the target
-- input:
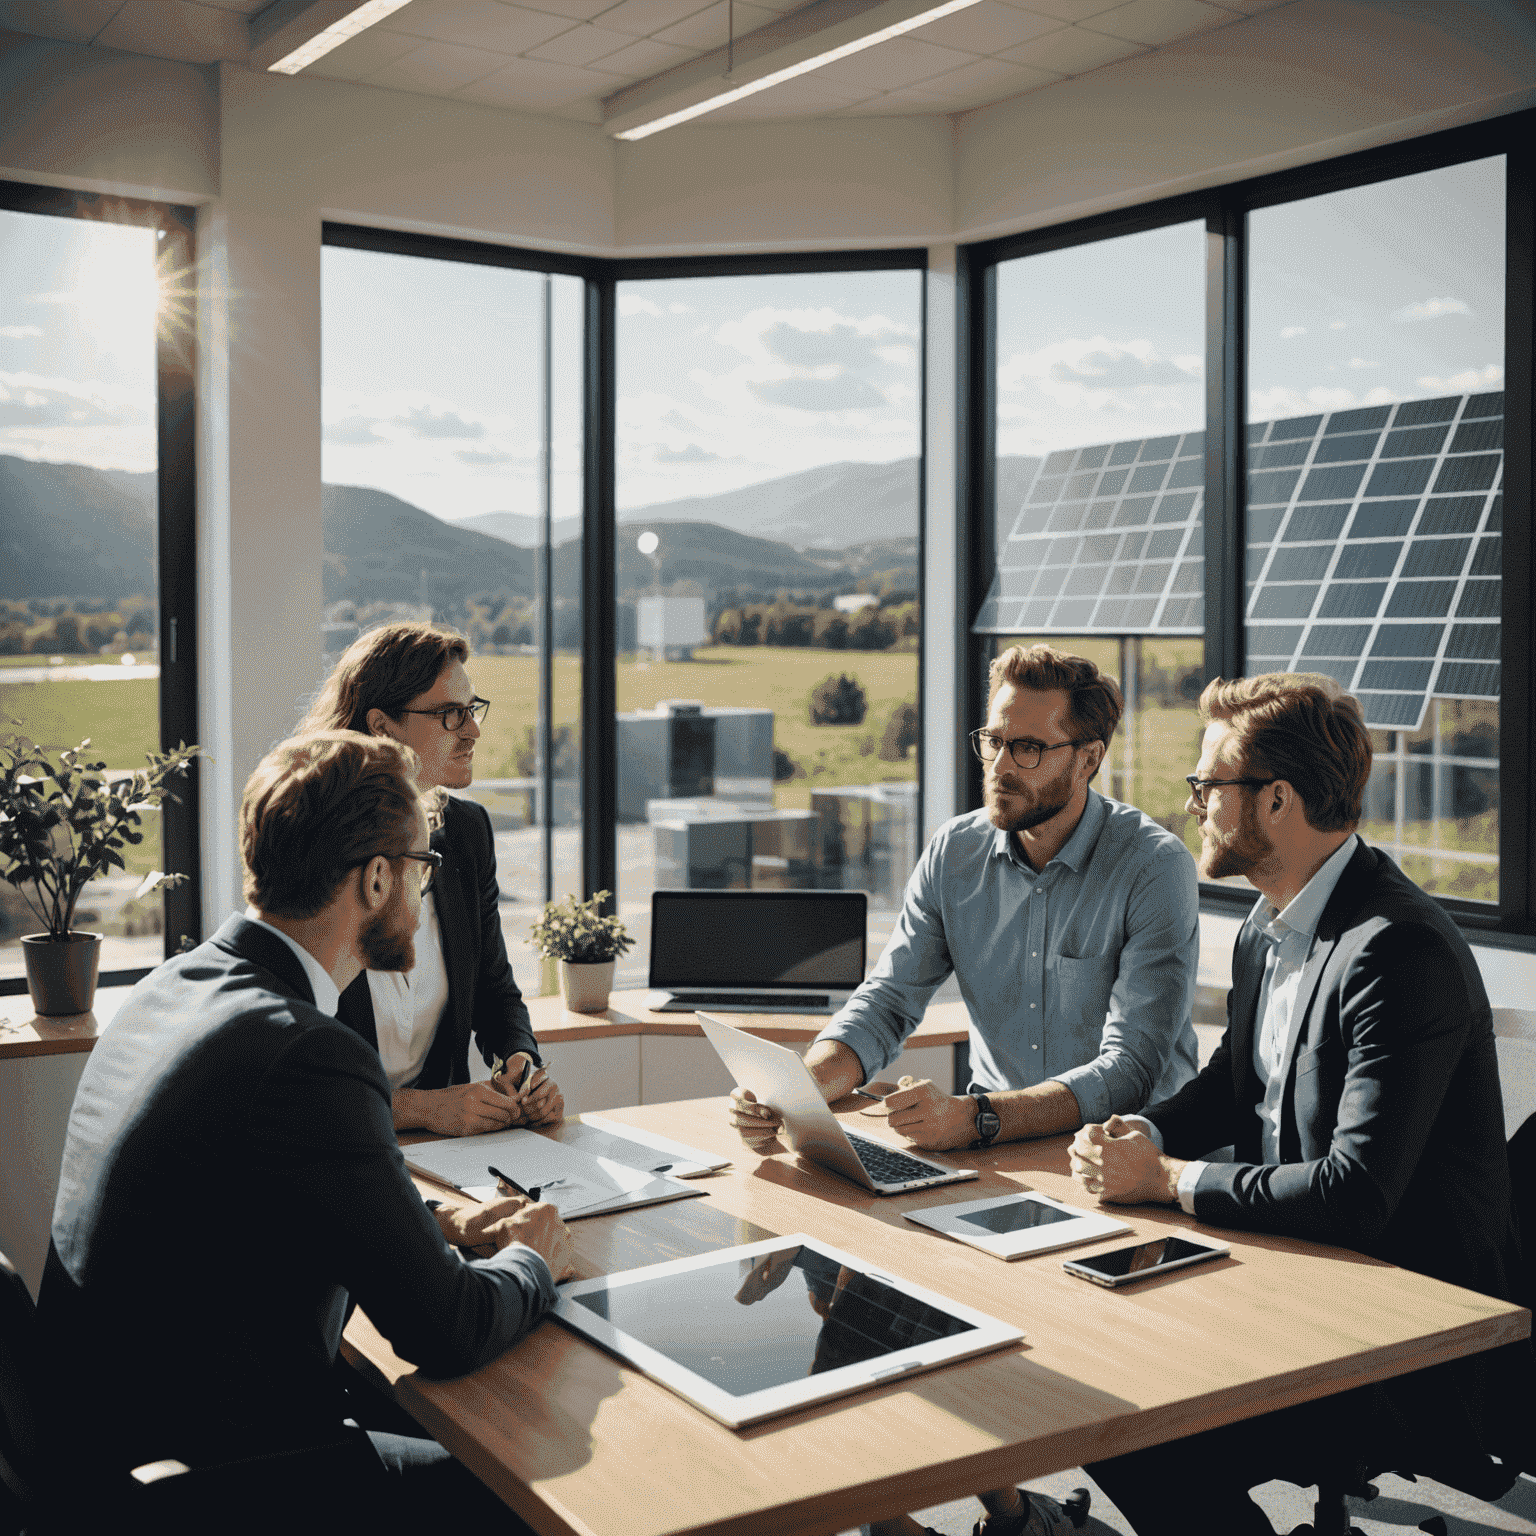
(430, 860)
(1024, 752)
(1198, 786)
(453, 716)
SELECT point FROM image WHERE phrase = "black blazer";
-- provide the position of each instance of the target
(230, 1178)
(1392, 1123)
(482, 996)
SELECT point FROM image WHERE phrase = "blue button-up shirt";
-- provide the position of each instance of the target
(1083, 973)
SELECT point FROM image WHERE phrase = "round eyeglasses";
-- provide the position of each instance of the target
(453, 716)
(1024, 752)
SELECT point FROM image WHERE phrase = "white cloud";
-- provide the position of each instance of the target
(633, 304)
(679, 309)
(1432, 309)
(16, 332)
(1097, 374)
(1465, 382)
(1363, 362)
(1281, 401)
(1337, 325)
(1288, 331)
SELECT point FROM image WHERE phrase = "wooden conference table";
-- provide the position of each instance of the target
(575, 1441)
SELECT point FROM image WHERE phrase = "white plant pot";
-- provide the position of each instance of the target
(586, 987)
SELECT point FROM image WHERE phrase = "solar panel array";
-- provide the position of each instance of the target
(1373, 549)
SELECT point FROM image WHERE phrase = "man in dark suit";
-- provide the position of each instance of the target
(231, 1178)
(1357, 1088)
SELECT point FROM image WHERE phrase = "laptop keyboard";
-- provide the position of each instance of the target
(885, 1165)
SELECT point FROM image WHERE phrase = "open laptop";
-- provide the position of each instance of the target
(777, 1076)
(756, 951)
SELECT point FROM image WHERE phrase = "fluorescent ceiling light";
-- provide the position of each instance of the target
(365, 16)
(805, 66)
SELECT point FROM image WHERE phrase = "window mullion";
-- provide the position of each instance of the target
(1225, 428)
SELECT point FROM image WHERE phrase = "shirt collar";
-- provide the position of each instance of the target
(1304, 911)
(327, 995)
(1077, 849)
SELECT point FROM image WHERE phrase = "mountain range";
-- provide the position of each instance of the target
(69, 530)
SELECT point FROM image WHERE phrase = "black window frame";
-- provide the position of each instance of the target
(599, 588)
(1224, 211)
(175, 542)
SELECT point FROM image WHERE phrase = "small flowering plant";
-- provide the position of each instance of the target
(578, 932)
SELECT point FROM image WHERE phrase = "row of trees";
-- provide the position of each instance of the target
(801, 624)
(63, 626)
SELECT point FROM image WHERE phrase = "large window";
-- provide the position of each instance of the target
(452, 399)
(1344, 471)
(1099, 476)
(768, 550)
(96, 563)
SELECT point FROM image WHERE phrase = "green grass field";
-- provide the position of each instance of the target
(122, 718)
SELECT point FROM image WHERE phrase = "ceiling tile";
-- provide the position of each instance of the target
(575, 10)
(240, 7)
(580, 46)
(889, 66)
(1159, 21)
(436, 67)
(533, 85)
(783, 7)
(501, 29)
(361, 56)
(177, 29)
(911, 103)
(643, 58)
(1072, 51)
(1253, 7)
(1069, 10)
(706, 29)
(986, 28)
(640, 18)
(70, 21)
(986, 80)
(581, 109)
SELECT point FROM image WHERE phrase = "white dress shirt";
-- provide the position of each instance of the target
(327, 997)
(408, 1006)
(1290, 935)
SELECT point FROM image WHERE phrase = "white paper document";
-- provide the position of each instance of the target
(574, 1181)
(641, 1149)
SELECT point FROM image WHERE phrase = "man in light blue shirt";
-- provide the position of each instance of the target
(1070, 920)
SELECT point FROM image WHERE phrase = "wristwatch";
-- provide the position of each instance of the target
(988, 1126)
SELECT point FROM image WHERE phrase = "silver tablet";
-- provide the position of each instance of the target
(748, 1332)
(1011, 1226)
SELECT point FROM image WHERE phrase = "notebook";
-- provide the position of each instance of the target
(756, 951)
(777, 1076)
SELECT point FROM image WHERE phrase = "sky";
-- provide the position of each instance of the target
(431, 381)
(77, 342)
(1387, 292)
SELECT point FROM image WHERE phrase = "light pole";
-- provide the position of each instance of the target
(648, 544)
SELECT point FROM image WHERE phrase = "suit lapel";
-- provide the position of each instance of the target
(1352, 889)
(1247, 978)
(452, 914)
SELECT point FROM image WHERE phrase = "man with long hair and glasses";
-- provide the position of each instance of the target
(1354, 1100)
(407, 681)
(231, 1176)
(1072, 924)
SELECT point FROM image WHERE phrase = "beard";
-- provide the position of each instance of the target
(1237, 853)
(1031, 807)
(387, 942)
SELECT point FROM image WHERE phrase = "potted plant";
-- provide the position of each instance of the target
(586, 943)
(62, 825)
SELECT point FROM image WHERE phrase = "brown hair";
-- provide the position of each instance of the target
(1303, 728)
(318, 806)
(1094, 700)
(383, 669)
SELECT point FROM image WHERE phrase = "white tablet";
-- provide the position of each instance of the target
(1011, 1226)
(748, 1332)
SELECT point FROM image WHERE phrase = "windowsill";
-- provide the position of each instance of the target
(23, 1033)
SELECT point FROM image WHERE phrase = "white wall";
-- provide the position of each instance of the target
(1302, 83)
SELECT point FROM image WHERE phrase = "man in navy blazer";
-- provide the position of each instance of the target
(231, 1178)
(1357, 1089)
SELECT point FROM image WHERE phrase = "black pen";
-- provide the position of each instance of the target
(864, 1095)
(512, 1184)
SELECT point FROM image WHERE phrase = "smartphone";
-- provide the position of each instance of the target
(1122, 1266)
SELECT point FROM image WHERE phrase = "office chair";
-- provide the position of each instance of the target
(329, 1487)
(1485, 1479)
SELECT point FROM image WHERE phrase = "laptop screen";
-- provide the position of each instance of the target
(758, 939)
